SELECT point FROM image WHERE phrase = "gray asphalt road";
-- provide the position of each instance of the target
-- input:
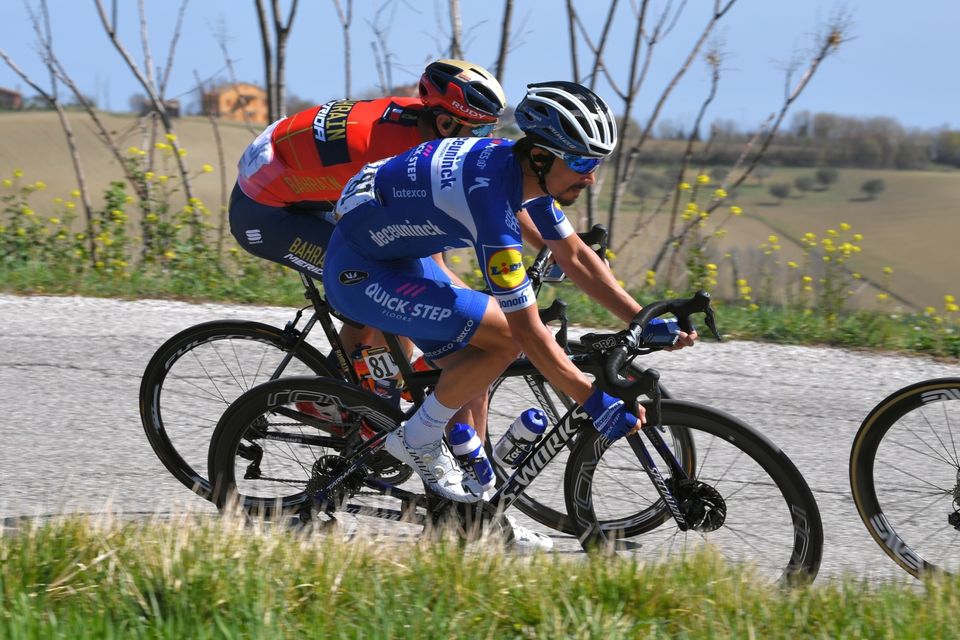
(70, 435)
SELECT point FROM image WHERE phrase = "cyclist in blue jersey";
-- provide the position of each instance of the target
(466, 192)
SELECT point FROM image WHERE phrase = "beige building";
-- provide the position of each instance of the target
(10, 99)
(239, 101)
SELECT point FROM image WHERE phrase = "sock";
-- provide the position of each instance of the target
(428, 423)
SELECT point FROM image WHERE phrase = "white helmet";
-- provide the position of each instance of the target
(569, 118)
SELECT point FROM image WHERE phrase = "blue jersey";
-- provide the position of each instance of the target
(449, 194)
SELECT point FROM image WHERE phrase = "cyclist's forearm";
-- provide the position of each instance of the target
(595, 278)
(540, 347)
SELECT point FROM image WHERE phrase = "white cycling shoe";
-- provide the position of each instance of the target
(435, 465)
(526, 540)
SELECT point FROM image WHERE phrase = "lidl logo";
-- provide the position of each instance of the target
(505, 269)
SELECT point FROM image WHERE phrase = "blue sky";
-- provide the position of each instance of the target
(897, 63)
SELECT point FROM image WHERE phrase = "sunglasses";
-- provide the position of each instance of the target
(584, 165)
(476, 130)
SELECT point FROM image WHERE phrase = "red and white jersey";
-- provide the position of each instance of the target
(309, 156)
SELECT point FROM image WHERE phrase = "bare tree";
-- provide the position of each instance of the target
(500, 68)
(456, 30)
(346, 17)
(221, 36)
(45, 36)
(382, 57)
(275, 54)
(152, 93)
(832, 35)
(625, 160)
(222, 166)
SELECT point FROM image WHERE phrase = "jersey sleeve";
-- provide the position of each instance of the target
(499, 251)
(549, 218)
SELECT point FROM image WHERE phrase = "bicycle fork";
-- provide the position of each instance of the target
(652, 430)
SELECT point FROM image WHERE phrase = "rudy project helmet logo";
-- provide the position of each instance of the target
(505, 269)
(353, 277)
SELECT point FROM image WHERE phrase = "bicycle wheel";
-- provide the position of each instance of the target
(543, 500)
(196, 374)
(749, 502)
(905, 476)
(265, 453)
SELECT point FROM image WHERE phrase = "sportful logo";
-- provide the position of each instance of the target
(396, 231)
(353, 277)
(448, 163)
(254, 236)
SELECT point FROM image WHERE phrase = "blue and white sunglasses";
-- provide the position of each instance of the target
(584, 165)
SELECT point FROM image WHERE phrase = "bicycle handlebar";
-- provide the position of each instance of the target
(596, 237)
(615, 348)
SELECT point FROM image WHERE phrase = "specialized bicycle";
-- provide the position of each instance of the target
(905, 476)
(721, 484)
(195, 375)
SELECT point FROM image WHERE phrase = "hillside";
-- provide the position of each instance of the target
(912, 226)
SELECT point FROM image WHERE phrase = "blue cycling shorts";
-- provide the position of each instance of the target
(295, 236)
(410, 297)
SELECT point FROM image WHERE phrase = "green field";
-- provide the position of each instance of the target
(912, 226)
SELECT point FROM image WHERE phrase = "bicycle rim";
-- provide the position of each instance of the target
(749, 505)
(195, 376)
(265, 453)
(905, 476)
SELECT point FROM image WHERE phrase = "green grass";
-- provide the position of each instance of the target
(199, 579)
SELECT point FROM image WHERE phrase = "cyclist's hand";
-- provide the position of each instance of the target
(684, 339)
(610, 416)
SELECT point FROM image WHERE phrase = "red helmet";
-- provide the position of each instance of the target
(465, 90)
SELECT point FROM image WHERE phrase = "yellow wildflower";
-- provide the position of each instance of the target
(720, 194)
(951, 307)
(735, 210)
(844, 226)
(456, 259)
(887, 271)
(54, 220)
(171, 137)
(881, 297)
(18, 173)
(703, 179)
(7, 183)
(169, 254)
(39, 185)
(949, 298)
(75, 193)
(207, 168)
(684, 186)
(857, 237)
(792, 264)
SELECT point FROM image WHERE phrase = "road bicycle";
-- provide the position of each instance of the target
(195, 375)
(719, 483)
(905, 476)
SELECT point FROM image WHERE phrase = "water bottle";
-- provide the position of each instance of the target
(519, 439)
(469, 452)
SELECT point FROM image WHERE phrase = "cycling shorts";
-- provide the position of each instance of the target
(410, 297)
(295, 236)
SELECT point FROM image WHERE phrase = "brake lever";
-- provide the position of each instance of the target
(711, 323)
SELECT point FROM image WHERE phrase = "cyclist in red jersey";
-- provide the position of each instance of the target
(291, 175)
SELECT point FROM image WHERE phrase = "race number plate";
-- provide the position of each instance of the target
(380, 363)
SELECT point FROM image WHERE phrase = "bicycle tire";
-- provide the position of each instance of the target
(278, 485)
(907, 493)
(777, 524)
(543, 500)
(181, 399)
